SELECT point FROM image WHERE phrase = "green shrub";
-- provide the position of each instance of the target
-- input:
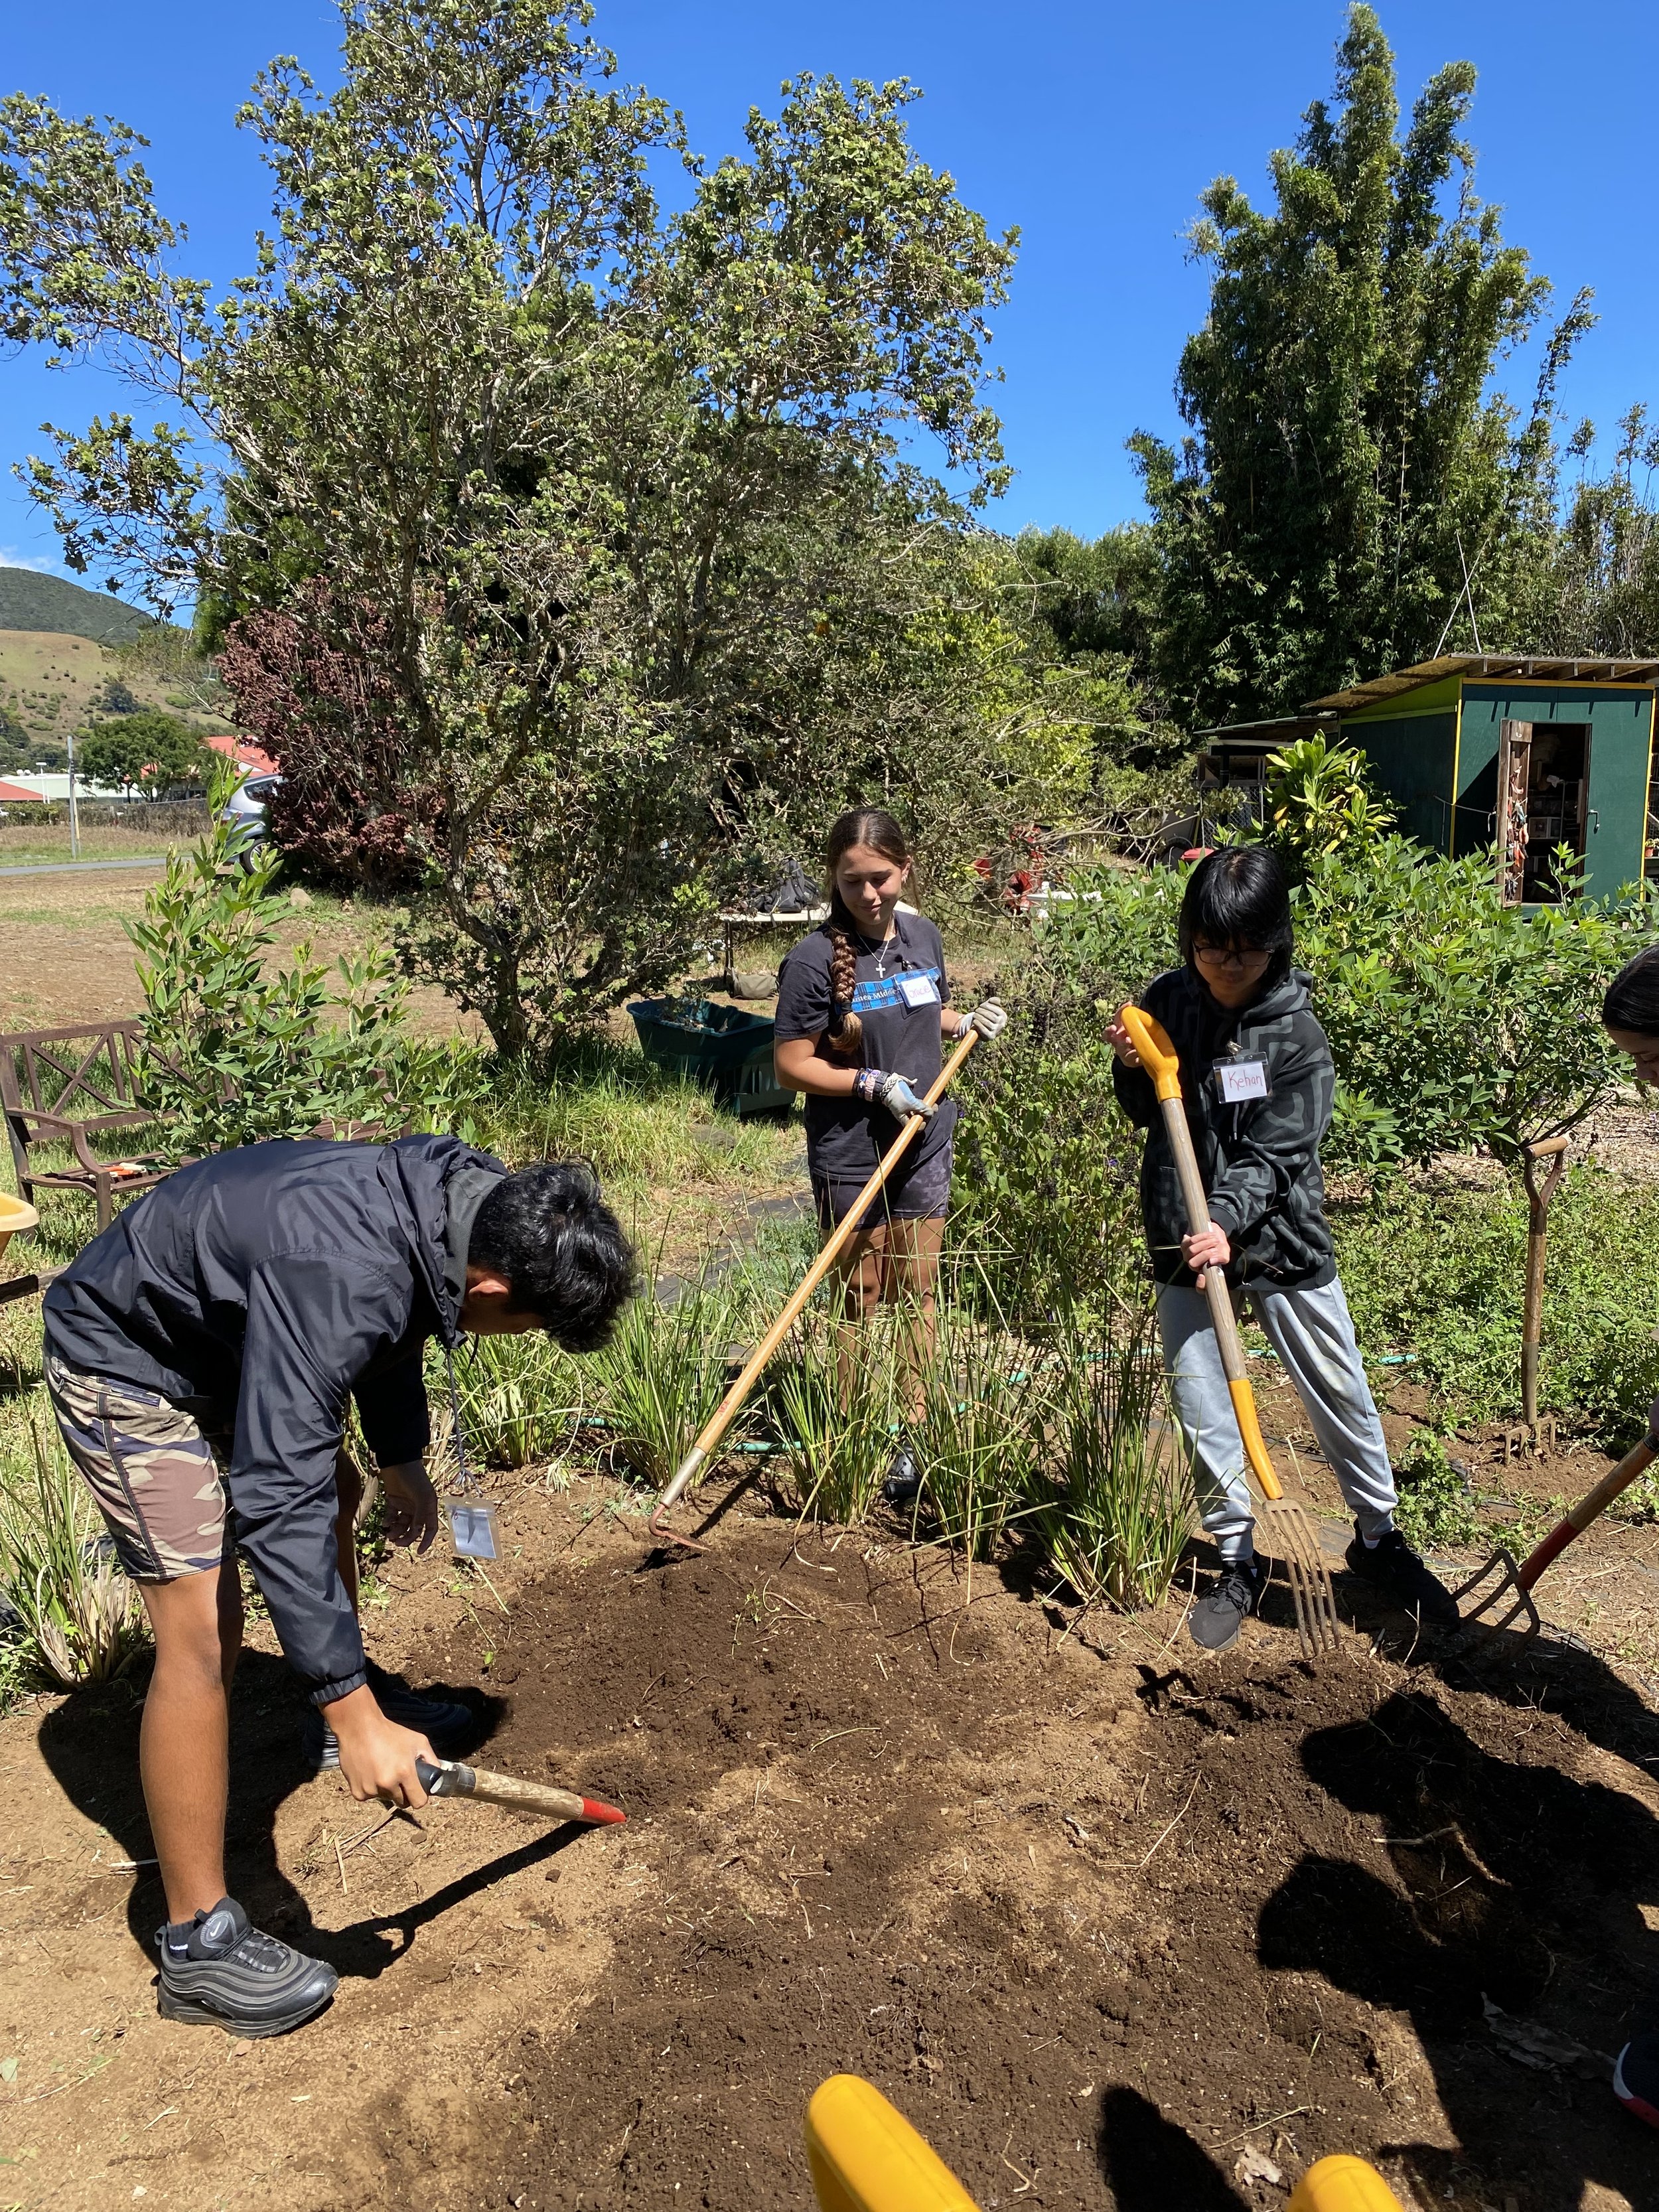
(1436, 1503)
(1442, 1274)
(238, 1047)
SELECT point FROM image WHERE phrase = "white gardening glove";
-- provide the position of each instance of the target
(990, 1019)
(894, 1093)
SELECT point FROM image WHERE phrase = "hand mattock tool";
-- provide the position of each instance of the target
(1294, 1534)
(1506, 1589)
(449, 1778)
(722, 1417)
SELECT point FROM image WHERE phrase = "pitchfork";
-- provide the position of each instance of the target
(1294, 1534)
(1507, 1590)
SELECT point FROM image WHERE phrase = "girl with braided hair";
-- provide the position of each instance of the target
(863, 1012)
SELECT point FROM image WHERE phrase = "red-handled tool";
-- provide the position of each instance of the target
(1504, 1585)
(449, 1778)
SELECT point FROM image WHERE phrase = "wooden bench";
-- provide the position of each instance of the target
(76, 1087)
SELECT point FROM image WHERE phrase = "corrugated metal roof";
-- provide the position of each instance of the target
(1544, 667)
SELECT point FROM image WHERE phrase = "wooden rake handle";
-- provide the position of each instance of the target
(1159, 1059)
(1590, 1507)
(726, 1411)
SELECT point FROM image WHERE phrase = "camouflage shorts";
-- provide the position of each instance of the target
(154, 1473)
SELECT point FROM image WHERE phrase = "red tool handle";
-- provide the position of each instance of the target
(1590, 1507)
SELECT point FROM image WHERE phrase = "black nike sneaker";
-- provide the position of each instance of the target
(1390, 1565)
(219, 1972)
(1218, 1617)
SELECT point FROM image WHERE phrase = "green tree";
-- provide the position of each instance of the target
(1602, 592)
(621, 506)
(1353, 494)
(147, 751)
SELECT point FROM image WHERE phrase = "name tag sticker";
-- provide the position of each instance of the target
(918, 990)
(1238, 1080)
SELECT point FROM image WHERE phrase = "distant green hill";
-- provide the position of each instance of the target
(29, 600)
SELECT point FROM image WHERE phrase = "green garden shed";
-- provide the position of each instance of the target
(1569, 742)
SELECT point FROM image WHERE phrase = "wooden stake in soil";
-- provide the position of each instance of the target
(449, 1778)
(1293, 1535)
(1553, 1149)
(727, 1412)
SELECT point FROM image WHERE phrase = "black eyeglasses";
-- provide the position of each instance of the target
(1229, 955)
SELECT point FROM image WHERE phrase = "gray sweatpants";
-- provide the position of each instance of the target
(1312, 1332)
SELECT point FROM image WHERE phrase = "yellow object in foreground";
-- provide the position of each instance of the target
(15, 1213)
(1343, 2184)
(866, 2157)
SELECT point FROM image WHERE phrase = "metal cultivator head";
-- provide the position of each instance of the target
(1501, 1600)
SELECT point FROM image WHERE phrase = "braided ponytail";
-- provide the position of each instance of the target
(859, 825)
(845, 1035)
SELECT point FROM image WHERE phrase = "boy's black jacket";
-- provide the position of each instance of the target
(261, 1289)
(1259, 1161)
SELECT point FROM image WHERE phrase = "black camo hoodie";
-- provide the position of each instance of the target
(1259, 1160)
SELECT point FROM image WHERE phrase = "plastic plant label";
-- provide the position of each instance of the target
(472, 1526)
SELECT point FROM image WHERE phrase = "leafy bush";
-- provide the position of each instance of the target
(1436, 1504)
(1320, 802)
(1442, 1274)
(1455, 1021)
(238, 1048)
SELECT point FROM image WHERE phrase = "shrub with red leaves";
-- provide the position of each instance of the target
(314, 689)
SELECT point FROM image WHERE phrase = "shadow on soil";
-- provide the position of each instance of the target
(91, 1744)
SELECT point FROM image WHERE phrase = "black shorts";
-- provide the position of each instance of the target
(921, 1195)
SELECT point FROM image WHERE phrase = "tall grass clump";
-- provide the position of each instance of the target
(1117, 1510)
(78, 1618)
(660, 1377)
(520, 1397)
(979, 1441)
(834, 1394)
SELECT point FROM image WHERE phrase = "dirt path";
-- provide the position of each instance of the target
(1097, 1915)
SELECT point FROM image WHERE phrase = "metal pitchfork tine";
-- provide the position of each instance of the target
(1297, 1539)
(1509, 1586)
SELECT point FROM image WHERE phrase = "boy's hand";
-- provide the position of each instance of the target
(1209, 1248)
(1118, 1037)
(377, 1757)
(412, 1504)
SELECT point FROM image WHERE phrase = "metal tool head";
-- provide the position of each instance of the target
(657, 1527)
(1502, 1600)
(1293, 1537)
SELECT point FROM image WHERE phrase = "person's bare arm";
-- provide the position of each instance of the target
(799, 1068)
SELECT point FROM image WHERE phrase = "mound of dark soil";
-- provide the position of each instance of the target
(1098, 1920)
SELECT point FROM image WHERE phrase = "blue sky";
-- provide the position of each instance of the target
(1093, 127)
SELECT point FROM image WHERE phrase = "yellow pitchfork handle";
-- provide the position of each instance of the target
(1159, 1057)
(723, 1414)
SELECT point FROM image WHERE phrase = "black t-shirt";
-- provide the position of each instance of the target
(900, 989)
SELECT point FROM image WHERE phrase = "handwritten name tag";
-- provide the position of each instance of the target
(1238, 1080)
(918, 990)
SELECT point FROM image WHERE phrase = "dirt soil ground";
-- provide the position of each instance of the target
(1102, 1915)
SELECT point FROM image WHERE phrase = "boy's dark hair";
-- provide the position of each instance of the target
(1632, 1000)
(1238, 897)
(561, 1250)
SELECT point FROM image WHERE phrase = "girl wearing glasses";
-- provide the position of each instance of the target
(1258, 1083)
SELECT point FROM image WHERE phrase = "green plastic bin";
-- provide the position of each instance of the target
(721, 1047)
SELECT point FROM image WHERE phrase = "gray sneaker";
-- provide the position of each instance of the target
(1218, 1618)
(229, 1974)
(439, 1720)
